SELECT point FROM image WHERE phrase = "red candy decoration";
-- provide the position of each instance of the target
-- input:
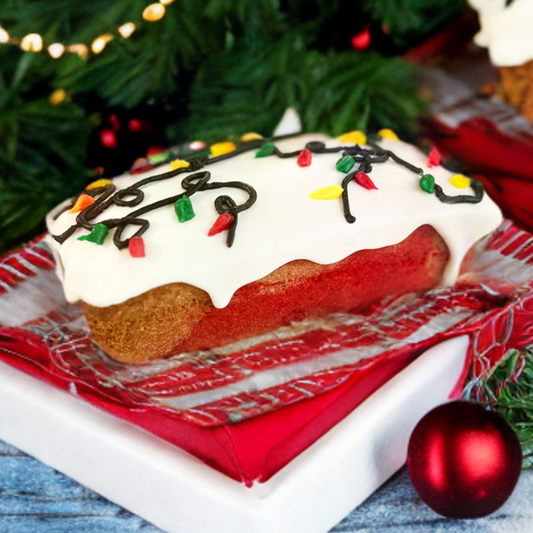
(464, 461)
(361, 41)
(304, 159)
(83, 201)
(434, 157)
(136, 247)
(364, 180)
(108, 138)
(222, 223)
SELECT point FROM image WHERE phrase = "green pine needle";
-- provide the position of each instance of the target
(239, 91)
(508, 389)
(42, 148)
(411, 20)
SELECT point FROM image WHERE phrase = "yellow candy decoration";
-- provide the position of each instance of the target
(179, 163)
(252, 136)
(97, 183)
(388, 134)
(222, 148)
(355, 137)
(327, 193)
(460, 182)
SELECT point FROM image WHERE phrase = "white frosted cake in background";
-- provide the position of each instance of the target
(506, 33)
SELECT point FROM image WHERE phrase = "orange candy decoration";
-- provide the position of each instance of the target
(83, 201)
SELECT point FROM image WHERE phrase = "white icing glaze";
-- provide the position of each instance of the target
(283, 225)
(505, 31)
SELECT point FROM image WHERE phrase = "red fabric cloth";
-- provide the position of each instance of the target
(250, 432)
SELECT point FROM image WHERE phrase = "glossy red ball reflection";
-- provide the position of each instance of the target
(464, 461)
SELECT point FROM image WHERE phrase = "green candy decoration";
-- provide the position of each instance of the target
(345, 164)
(97, 235)
(427, 183)
(184, 210)
(265, 150)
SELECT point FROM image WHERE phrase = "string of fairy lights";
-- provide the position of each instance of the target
(34, 42)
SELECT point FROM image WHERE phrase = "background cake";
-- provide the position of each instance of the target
(506, 33)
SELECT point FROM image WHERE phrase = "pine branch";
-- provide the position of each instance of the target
(42, 147)
(509, 390)
(243, 90)
(411, 20)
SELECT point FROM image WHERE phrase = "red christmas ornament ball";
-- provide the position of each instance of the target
(115, 124)
(361, 41)
(135, 125)
(463, 460)
(108, 138)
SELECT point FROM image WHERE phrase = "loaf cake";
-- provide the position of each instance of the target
(506, 33)
(206, 251)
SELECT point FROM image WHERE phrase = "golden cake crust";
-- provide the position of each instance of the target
(517, 87)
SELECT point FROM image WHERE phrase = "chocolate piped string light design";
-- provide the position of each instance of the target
(395, 158)
(107, 195)
(133, 196)
(376, 154)
(477, 187)
(365, 158)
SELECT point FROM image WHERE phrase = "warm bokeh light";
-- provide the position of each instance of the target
(56, 50)
(81, 49)
(4, 36)
(32, 42)
(58, 97)
(154, 12)
(100, 43)
(126, 30)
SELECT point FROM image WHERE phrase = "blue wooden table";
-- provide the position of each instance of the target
(36, 499)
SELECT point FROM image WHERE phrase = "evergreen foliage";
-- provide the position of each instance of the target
(411, 20)
(508, 389)
(332, 92)
(213, 68)
(42, 149)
